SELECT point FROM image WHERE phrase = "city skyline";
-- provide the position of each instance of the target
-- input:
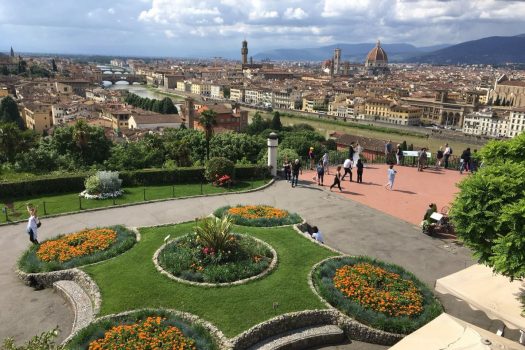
(184, 28)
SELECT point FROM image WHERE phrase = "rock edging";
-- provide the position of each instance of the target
(269, 269)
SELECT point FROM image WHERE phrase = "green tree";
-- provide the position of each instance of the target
(14, 141)
(226, 92)
(207, 121)
(167, 106)
(9, 112)
(489, 212)
(5, 70)
(276, 121)
(54, 65)
(258, 124)
(236, 146)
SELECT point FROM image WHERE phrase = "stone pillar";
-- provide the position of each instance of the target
(272, 153)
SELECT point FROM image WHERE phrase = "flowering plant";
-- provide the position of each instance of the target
(378, 289)
(78, 244)
(258, 212)
(151, 333)
(223, 180)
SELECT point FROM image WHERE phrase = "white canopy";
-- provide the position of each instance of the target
(493, 294)
(448, 332)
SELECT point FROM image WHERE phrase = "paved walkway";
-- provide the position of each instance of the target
(346, 224)
(413, 190)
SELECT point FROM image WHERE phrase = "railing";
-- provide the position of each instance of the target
(65, 203)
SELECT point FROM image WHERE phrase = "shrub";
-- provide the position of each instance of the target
(191, 258)
(44, 341)
(31, 263)
(217, 167)
(197, 334)
(215, 233)
(93, 184)
(258, 215)
(323, 278)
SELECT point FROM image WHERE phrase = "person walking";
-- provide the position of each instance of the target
(337, 179)
(446, 154)
(474, 162)
(320, 173)
(464, 161)
(439, 157)
(399, 154)
(326, 163)
(311, 157)
(391, 177)
(351, 151)
(287, 170)
(32, 224)
(388, 150)
(296, 167)
(360, 166)
(422, 159)
(347, 165)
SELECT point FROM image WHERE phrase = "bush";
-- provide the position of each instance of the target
(203, 339)
(251, 171)
(44, 341)
(253, 211)
(193, 259)
(217, 167)
(323, 277)
(30, 263)
(103, 182)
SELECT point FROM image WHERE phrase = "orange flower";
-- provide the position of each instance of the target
(258, 212)
(77, 244)
(379, 289)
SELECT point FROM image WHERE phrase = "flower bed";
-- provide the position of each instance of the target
(143, 330)
(114, 194)
(258, 215)
(76, 249)
(188, 259)
(381, 295)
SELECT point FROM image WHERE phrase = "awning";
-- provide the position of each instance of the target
(450, 333)
(483, 290)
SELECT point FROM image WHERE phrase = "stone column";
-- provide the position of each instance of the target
(272, 153)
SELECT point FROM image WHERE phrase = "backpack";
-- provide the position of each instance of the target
(450, 150)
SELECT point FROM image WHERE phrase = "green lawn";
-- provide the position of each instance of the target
(64, 203)
(131, 281)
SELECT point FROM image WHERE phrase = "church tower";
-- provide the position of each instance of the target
(244, 52)
(12, 53)
(337, 61)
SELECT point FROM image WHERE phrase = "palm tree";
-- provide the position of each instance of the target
(207, 122)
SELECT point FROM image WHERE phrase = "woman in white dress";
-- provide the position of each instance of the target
(357, 153)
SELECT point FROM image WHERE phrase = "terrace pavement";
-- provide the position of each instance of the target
(346, 224)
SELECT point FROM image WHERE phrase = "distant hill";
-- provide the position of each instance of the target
(491, 50)
(349, 52)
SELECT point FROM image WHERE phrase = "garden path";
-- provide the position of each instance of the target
(346, 224)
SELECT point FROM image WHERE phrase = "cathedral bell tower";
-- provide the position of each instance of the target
(244, 52)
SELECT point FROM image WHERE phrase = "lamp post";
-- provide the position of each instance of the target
(272, 153)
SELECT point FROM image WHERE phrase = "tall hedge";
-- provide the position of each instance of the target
(145, 177)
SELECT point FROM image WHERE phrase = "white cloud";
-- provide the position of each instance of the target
(255, 15)
(295, 13)
(111, 11)
(169, 33)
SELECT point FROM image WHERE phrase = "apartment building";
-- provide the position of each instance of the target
(287, 98)
(386, 111)
(38, 116)
(315, 102)
(486, 123)
(237, 94)
(517, 122)
(184, 86)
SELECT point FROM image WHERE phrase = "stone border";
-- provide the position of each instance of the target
(222, 341)
(271, 182)
(303, 221)
(269, 269)
(79, 302)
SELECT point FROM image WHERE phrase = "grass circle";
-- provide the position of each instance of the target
(380, 295)
(144, 329)
(185, 259)
(258, 215)
(77, 249)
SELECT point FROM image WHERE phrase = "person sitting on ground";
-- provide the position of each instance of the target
(316, 234)
(432, 208)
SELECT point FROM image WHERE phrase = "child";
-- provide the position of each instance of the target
(360, 167)
(320, 173)
(337, 179)
(391, 176)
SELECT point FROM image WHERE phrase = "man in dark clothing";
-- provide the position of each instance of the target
(351, 151)
(465, 161)
(296, 167)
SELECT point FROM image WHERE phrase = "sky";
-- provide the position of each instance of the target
(203, 28)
